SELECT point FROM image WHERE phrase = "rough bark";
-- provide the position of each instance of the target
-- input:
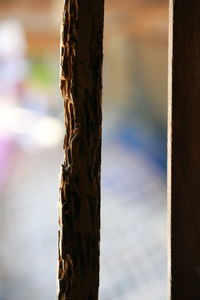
(79, 203)
(184, 150)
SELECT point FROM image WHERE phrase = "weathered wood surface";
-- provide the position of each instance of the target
(184, 150)
(79, 204)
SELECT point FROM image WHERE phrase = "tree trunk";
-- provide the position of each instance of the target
(184, 150)
(79, 203)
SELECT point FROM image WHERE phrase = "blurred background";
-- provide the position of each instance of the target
(133, 237)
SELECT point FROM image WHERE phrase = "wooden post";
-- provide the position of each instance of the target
(184, 149)
(79, 204)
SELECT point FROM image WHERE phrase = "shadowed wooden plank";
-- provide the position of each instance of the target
(184, 150)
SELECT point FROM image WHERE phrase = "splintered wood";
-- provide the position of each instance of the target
(79, 201)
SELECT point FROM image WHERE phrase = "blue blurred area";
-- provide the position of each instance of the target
(153, 145)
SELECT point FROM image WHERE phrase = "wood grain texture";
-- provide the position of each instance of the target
(79, 203)
(184, 164)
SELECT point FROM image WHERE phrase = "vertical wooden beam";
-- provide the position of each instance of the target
(184, 150)
(79, 204)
